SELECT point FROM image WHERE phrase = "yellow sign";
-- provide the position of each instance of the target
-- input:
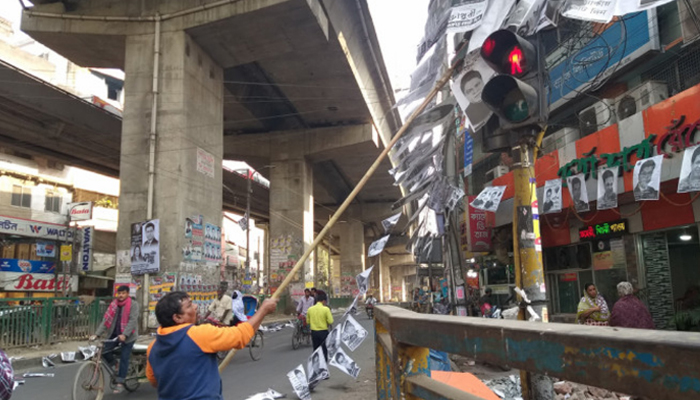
(66, 252)
(309, 285)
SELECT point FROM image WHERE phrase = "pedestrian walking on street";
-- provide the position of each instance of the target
(319, 317)
(120, 322)
(592, 309)
(182, 360)
(629, 311)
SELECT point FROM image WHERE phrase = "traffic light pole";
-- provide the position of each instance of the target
(528, 256)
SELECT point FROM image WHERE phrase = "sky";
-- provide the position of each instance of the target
(400, 25)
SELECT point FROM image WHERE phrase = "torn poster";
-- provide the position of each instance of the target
(362, 280)
(377, 246)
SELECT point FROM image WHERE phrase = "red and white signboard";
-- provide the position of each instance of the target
(205, 162)
(80, 211)
(478, 231)
(21, 282)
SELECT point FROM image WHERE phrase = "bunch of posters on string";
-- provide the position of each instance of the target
(352, 310)
(145, 247)
(353, 333)
(344, 363)
(465, 15)
(428, 72)
(212, 243)
(489, 198)
(578, 191)
(647, 178)
(552, 199)
(297, 377)
(604, 10)
(194, 239)
(607, 188)
(317, 368)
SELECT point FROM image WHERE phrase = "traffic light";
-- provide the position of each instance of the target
(516, 94)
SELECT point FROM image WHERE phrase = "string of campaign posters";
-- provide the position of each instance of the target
(646, 185)
(348, 332)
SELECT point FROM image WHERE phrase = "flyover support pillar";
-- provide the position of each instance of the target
(291, 214)
(352, 253)
(174, 94)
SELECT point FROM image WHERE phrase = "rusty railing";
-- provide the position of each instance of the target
(653, 364)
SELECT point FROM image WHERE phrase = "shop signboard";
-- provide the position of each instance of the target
(606, 229)
(45, 249)
(27, 282)
(26, 266)
(29, 228)
(80, 211)
(86, 248)
(478, 232)
(66, 252)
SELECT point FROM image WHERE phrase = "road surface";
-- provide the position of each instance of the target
(243, 377)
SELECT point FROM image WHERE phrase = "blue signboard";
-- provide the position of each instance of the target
(468, 153)
(618, 45)
(26, 266)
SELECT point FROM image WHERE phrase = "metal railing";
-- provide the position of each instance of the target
(653, 364)
(33, 321)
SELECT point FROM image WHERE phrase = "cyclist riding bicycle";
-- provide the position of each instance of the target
(304, 304)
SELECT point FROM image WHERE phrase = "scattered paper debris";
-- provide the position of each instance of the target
(269, 395)
(38, 375)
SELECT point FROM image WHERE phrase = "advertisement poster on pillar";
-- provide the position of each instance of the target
(145, 247)
(478, 231)
(212, 243)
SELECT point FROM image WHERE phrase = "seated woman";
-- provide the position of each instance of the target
(629, 311)
(592, 309)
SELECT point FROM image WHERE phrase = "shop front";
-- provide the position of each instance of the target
(30, 252)
(645, 231)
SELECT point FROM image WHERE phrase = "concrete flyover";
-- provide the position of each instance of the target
(296, 88)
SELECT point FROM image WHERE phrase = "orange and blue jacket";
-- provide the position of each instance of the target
(182, 360)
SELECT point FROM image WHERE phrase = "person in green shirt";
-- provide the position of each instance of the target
(319, 317)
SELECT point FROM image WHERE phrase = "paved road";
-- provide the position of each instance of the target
(242, 378)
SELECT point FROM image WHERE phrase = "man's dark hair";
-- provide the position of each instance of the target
(648, 164)
(122, 288)
(575, 181)
(168, 306)
(608, 174)
(488, 290)
(321, 296)
(149, 225)
(307, 291)
(313, 289)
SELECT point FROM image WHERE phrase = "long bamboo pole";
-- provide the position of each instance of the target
(372, 169)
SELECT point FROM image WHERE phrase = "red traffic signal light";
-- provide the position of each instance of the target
(508, 53)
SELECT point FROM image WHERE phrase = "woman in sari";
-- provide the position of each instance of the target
(592, 309)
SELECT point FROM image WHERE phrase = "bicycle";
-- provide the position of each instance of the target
(90, 380)
(255, 346)
(302, 332)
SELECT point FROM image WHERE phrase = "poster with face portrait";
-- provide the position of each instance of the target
(333, 340)
(467, 87)
(489, 198)
(352, 310)
(525, 17)
(647, 178)
(353, 333)
(579, 193)
(690, 171)
(145, 247)
(297, 377)
(344, 363)
(377, 246)
(317, 368)
(552, 197)
(362, 280)
(431, 67)
(607, 188)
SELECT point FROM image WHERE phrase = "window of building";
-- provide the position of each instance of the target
(53, 202)
(21, 196)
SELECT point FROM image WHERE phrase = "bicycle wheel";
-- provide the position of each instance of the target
(296, 339)
(256, 346)
(89, 382)
(137, 370)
